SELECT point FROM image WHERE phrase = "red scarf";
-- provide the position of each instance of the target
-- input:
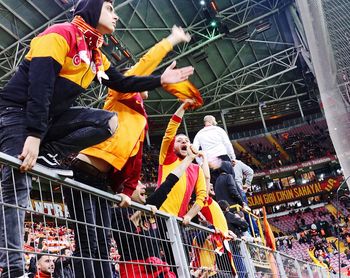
(40, 274)
(93, 41)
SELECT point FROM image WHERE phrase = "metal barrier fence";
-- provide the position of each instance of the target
(254, 223)
(109, 241)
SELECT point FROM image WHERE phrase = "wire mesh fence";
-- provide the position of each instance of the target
(69, 229)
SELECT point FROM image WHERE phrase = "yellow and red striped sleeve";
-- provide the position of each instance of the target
(166, 154)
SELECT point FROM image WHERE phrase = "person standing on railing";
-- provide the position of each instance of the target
(124, 157)
(116, 161)
(215, 143)
(36, 111)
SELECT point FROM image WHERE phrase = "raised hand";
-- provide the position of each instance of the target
(191, 151)
(172, 75)
(178, 35)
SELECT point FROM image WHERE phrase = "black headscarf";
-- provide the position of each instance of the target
(89, 10)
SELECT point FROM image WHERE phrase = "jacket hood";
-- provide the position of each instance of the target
(89, 10)
(226, 167)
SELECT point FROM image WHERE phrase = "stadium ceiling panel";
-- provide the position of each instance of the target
(247, 60)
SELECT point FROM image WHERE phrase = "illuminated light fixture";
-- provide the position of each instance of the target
(213, 23)
(126, 53)
(202, 3)
(114, 40)
(275, 117)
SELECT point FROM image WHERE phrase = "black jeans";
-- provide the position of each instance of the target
(92, 232)
(73, 131)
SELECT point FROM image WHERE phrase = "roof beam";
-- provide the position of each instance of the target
(16, 15)
(216, 37)
(197, 112)
(38, 10)
(37, 30)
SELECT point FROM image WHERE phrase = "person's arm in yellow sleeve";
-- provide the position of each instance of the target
(201, 193)
(205, 167)
(148, 63)
(167, 146)
(151, 60)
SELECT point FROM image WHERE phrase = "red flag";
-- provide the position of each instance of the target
(269, 237)
(185, 90)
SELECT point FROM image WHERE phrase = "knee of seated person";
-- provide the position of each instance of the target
(113, 123)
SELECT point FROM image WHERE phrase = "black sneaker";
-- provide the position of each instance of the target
(50, 161)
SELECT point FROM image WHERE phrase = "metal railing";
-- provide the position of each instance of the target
(120, 242)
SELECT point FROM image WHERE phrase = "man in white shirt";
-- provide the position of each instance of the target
(214, 141)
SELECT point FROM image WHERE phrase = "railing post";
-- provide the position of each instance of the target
(247, 258)
(321, 272)
(309, 271)
(280, 265)
(297, 267)
(177, 247)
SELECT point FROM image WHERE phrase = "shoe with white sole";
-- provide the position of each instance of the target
(50, 161)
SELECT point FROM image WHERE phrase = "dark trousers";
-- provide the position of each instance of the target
(73, 131)
(92, 229)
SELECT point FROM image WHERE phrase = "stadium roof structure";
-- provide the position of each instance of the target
(250, 56)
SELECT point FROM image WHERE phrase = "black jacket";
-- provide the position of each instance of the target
(225, 186)
(235, 223)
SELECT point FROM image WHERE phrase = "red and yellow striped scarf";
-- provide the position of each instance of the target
(93, 41)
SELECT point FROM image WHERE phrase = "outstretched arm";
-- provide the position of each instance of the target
(166, 149)
(148, 63)
(121, 83)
